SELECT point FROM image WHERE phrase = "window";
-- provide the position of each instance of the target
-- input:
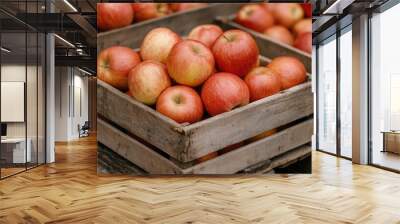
(346, 95)
(326, 94)
(385, 89)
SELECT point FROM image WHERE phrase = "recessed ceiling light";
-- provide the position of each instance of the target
(84, 71)
(65, 41)
(337, 7)
(70, 5)
(5, 50)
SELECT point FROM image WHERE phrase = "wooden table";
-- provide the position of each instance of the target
(391, 141)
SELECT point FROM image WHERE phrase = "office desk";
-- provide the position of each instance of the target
(13, 150)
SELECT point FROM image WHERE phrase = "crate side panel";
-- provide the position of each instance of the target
(134, 151)
(243, 123)
(139, 120)
(257, 152)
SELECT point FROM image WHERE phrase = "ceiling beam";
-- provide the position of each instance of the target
(321, 23)
(81, 61)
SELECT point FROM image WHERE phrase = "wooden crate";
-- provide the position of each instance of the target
(159, 145)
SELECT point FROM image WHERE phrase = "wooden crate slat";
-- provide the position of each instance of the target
(242, 123)
(266, 45)
(286, 158)
(256, 152)
(182, 23)
(134, 151)
(139, 119)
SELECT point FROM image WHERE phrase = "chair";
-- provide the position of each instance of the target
(84, 130)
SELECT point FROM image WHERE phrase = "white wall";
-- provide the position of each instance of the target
(70, 83)
(61, 103)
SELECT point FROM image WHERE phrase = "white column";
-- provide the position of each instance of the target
(360, 90)
(50, 92)
(50, 99)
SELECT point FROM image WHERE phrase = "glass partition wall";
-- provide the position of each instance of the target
(334, 93)
(22, 77)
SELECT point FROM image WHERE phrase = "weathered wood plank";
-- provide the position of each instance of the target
(139, 119)
(181, 23)
(256, 152)
(245, 122)
(268, 47)
(134, 151)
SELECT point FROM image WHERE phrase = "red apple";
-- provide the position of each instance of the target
(307, 8)
(206, 34)
(255, 17)
(281, 34)
(145, 11)
(304, 42)
(114, 15)
(236, 52)
(190, 63)
(147, 80)
(223, 92)
(288, 14)
(158, 43)
(303, 26)
(180, 103)
(114, 64)
(291, 71)
(178, 7)
(262, 82)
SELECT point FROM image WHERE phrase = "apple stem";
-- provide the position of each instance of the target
(226, 38)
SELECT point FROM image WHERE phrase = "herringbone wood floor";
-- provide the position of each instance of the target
(69, 191)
